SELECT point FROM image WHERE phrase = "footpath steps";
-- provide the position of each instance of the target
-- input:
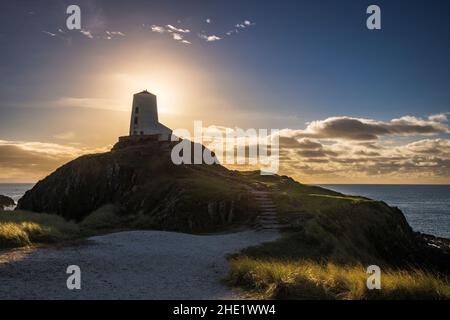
(267, 212)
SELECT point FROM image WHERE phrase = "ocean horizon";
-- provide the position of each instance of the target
(426, 207)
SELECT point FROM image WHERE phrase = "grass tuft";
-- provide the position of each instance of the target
(272, 279)
(22, 228)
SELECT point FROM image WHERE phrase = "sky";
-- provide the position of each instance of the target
(353, 105)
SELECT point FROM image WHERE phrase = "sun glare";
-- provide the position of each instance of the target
(131, 84)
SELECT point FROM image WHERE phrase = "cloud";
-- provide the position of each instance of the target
(209, 38)
(367, 129)
(115, 33)
(172, 28)
(177, 36)
(87, 33)
(30, 161)
(442, 117)
(176, 33)
(93, 103)
(245, 24)
(49, 33)
(430, 147)
(367, 153)
(357, 150)
(318, 153)
(240, 26)
(65, 135)
(289, 142)
(67, 36)
(422, 161)
(309, 160)
(157, 29)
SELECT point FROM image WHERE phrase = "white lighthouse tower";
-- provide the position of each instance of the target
(144, 117)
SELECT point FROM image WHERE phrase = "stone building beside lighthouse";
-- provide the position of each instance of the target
(144, 118)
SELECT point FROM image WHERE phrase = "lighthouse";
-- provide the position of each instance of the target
(144, 117)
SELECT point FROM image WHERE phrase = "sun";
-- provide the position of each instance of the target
(166, 93)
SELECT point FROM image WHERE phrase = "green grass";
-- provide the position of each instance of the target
(303, 279)
(104, 218)
(331, 238)
(24, 229)
(21, 228)
(319, 265)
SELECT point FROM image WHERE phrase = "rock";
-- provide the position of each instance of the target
(141, 178)
(6, 202)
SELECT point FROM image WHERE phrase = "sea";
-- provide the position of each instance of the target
(426, 207)
(14, 190)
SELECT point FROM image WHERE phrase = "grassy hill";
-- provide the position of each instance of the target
(145, 189)
(330, 239)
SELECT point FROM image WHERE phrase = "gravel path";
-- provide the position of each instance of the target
(128, 265)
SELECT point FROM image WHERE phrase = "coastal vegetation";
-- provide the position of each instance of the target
(328, 240)
(331, 241)
(296, 278)
(22, 228)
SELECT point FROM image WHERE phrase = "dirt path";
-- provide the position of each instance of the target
(129, 265)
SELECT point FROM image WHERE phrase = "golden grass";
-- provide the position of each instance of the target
(271, 279)
(349, 198)
(21, 228)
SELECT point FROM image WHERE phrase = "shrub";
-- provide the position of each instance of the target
(106, 217)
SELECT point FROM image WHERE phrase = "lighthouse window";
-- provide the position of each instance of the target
(135, 120)
(137, 110)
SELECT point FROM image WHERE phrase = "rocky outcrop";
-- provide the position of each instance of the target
(139, 178)
(6, 202)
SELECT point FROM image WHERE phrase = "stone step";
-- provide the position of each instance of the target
(273, 226)
(274, 217)
(267, 216)
(270, 228)
(268, 223)
(263, 221)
